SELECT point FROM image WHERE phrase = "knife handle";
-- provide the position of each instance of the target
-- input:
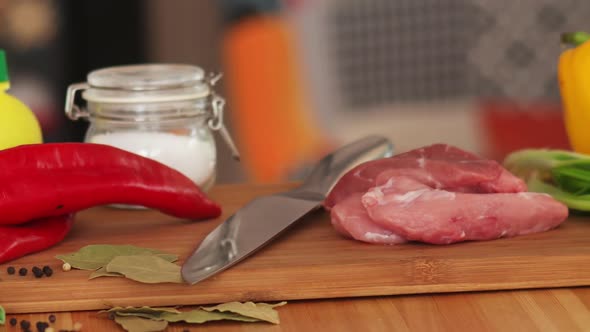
(328, 170)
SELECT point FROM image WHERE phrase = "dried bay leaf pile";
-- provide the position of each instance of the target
(147, 319)
(154, 266)
(140, 264)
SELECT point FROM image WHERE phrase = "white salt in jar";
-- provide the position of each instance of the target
(166, 112)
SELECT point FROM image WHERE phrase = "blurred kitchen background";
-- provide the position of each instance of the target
(305, 76)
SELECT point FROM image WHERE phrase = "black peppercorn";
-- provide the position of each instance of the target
(11, 270)
(25, 324)
(22, 271)
(37, 272)
(13, 321)
(41, 326)
(47, 270)
(52, 318)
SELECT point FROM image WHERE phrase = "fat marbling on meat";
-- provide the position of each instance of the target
(437, 194)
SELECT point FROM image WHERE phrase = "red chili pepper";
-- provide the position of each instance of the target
(19, 240)
(51, 179)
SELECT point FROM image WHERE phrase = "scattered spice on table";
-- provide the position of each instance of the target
(42, 326)
(11, 270)
(140, 264)
(47, 271)
(37, 272)
(25, 324)
(22, 271)
(157, 319)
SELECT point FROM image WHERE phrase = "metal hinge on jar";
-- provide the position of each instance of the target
(216, 121)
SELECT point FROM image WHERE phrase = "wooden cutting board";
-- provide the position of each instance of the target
(310, 261)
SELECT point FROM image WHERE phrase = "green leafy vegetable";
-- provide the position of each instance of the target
(576, 202)
(146, 269)
(562, 174)
(2, 316)
(139, 324)
(95, 256)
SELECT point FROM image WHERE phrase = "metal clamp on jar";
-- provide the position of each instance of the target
(165, 112)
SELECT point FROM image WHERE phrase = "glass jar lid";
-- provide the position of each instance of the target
(146, 83)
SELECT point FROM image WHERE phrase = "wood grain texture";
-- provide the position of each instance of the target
(547, 310)
(310, 261)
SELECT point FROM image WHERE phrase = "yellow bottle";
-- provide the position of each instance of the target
(18, 124)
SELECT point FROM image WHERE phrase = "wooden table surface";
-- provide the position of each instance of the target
(561, 309)
(565, 309)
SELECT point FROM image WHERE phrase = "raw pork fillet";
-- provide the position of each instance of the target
(420, 213)
(440, 166)
(437, 194)
(352, 220)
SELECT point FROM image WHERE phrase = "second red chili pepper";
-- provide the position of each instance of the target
(19, 240)
(52, 179)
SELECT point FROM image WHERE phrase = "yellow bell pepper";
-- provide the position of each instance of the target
(574, 85)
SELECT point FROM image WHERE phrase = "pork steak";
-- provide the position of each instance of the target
(438, 194)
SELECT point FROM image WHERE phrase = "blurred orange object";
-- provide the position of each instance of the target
(275, 131)
(510, 126)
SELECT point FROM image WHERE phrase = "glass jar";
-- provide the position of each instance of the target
(164, 112)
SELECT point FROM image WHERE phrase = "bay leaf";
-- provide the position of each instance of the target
(144, 309)
(138, 324)
(95, 256)
(146, 269)
(102, 272)
(199, 316)
(2, 316)
(261, 311)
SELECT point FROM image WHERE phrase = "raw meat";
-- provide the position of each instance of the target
(440, 151)
(418, 212)
(506, 182)
(459, 171)
(351, 220)
(437, 194)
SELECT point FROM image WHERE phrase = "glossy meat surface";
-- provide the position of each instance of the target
(437, 194)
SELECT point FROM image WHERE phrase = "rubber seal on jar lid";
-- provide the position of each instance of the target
(146, 83)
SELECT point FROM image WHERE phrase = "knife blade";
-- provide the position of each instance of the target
(263, 218)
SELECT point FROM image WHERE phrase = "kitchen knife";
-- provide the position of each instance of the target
(254, 225)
